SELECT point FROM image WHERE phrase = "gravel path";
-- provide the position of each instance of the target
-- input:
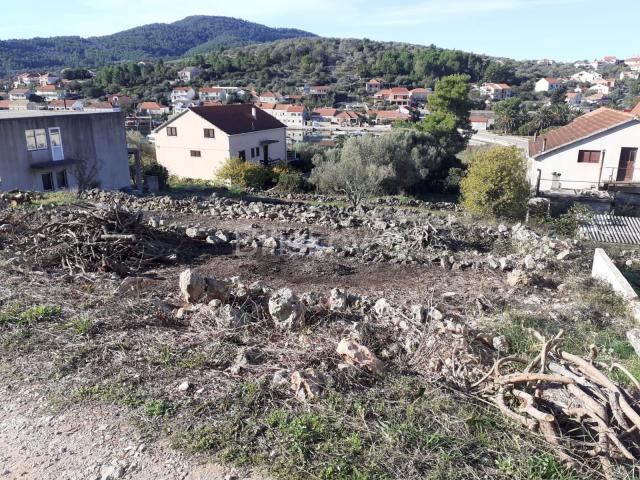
(86, 443)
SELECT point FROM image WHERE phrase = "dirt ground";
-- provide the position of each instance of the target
(37, 443)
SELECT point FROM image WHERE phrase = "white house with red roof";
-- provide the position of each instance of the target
(182, 94)
(496, 91)
(319, 90)
(597, 149)
(49, 92)
(548, 84)
(20, 94)
(212, 94)
(270, 97)
(152, 109)
(290, 115)
(374, 85)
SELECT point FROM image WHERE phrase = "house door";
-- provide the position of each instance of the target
(57, 152)
(627, 164)
(266, 155)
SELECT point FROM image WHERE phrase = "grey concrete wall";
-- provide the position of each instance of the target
(604, 269)
(98, 138)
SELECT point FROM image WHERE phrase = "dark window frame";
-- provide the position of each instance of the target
(195, 154)
(242, 155)
(589, 156)
(62, 174)
(172, 132)
(49, 176)
(209, 133)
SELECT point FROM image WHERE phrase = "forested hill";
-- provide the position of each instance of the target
(155, 41)
(344, 62)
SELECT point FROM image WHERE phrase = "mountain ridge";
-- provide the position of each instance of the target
(152, 41)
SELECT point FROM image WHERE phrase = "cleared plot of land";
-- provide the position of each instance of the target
(96, 364)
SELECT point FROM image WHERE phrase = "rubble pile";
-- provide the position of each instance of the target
(575, 403)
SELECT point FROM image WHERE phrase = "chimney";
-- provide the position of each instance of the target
(254, 113)
(544, 144)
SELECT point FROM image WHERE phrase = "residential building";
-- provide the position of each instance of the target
(49, 92)
(27, 79)
(586, 77)
(374, 85)
(20, 94)
(290, 115)
(100, 107)
(213, 94)
(496, 91)
(582, 64)
(633, 63)
(595, 149)
(196, 143)
(23, 105)
(600, 88)
(182, 94)
(399, 96)
(4, 104)
(121, 101)
(189, 74)
(480, 124)
(324, 115)
(597, 64)
(418, 96)
(66, 105)
(348, 119)
(48, 79)
(46, 150)
(574, 99)
(548, 84)
(545, 61)
(610, 60)
(152, 109)
(597, 99)
(270, 97)
(319, 90)
(386, 117)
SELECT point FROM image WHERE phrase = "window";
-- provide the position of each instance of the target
(209, 133)
(47, 181)
(61, 179)
(36, 139)
(255, 152)
(196, 153)
(589, 156)
(172, 132)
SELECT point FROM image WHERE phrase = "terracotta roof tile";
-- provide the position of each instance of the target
(237, 119)
(582, 127)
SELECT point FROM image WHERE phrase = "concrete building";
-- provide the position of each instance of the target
(596, 150)
(496, 91)
(188, 74)
(196, 143)
(47, 150)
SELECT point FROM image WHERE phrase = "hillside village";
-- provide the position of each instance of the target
(298, 257)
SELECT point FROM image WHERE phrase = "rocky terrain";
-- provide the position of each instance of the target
(293, 338)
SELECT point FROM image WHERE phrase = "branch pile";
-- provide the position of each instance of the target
(90, 238)
(574, 402)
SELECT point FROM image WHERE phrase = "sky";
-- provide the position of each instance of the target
(564, 30)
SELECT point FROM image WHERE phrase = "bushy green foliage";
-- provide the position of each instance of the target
(496, 184)
(291, 182)
(246, 174)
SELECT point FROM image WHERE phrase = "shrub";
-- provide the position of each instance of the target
(496, 183)
(291, 182)
(246, 174)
